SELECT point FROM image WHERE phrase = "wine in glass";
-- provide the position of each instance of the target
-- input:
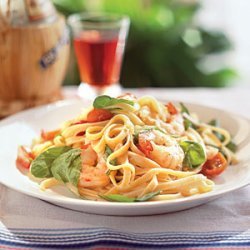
(99, 42)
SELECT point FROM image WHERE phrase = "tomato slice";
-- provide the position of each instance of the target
(171, 108)
(49, 135)
(24, 159)
(98, 115)
(215, 166)
(145, 146)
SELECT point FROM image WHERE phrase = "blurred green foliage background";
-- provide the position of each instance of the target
(165, 47)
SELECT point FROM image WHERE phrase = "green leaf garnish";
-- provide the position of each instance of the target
(108, 151)
(67, 167)
(216, 123)
(104, 101)
(148, 196)
(117, 197)
(194, 154)
(187, 122)
(232, 146)
(41, 166)
(184, 109)
(123, 198)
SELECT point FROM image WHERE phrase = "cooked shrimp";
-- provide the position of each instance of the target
(92, 175)
(147, 116)
(89, 156)
(164, 149)
(174, 126)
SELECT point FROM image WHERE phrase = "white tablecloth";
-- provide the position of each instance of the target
(28, 223)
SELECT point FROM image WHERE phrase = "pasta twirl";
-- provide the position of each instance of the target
(127, 149)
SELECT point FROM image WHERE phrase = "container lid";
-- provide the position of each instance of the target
(26, 12)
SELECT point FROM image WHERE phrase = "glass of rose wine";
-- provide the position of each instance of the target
(99, 41)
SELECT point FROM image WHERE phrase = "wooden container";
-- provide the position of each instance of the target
(21, 48)
(33, 63)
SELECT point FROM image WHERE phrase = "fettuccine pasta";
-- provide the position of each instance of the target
(129, 150)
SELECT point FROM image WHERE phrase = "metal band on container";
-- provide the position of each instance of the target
(50, 56)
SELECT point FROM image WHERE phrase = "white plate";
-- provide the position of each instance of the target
(21, 128)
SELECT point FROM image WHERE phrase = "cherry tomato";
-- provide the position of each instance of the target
(145, 146)
(171, 109)
(24, 159)
(215, 166)
(98, 115)
(49, 135)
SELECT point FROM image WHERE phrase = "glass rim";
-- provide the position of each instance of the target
(98, 20)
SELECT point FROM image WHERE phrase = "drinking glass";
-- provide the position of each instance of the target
(99, 42)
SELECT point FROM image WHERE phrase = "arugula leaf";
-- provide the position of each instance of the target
(105, 101)
(148, 196)
(67, 167)
(184, 109)
(194, 154)
(117, 197)
(41, 166)
(123, 198)
(75, 171)
(187, 122)
(232, 146)
(216, 123)
(108, 151)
